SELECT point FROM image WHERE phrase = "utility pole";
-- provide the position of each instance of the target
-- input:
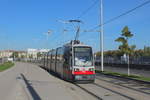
(101, 35)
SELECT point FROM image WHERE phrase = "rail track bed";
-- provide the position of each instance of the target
(112, 88)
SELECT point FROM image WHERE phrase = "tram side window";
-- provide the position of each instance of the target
(53, 56)
(67, 55)
(60, 54)
(43, 61)
(49, 56)
(57, 59)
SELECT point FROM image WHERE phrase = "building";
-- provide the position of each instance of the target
(22, 54)
(6, 53)
(32, 53)
(29, 54)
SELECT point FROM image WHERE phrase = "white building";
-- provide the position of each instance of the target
(32, 53)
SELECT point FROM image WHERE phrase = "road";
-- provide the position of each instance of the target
(25, 81)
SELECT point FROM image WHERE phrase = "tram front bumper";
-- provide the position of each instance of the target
(84, 77)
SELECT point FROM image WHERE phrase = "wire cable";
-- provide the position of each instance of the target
(123, 14)
(88, 9)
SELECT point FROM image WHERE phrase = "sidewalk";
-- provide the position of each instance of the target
(27, 81)
(43, 86)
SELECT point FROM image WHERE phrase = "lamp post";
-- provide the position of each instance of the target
(101, 35)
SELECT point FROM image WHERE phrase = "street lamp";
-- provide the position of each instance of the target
(101, 35)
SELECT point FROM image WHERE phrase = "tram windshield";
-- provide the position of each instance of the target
(83, 56)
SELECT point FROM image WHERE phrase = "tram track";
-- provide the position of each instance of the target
(132, 93)
(89, 92)
(87, 89)
(125, 92)
(125, 96)
(124, 86)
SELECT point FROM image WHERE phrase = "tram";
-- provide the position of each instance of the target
(73, 62)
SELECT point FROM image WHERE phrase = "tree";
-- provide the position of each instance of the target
(15, 55)
(146, 51)
(22, 56)
(31, 57)
(125, 48)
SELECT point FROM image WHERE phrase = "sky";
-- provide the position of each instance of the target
(24, 23)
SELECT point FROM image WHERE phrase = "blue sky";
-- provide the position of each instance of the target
(23, 23)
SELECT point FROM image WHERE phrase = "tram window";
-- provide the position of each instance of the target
(58, 54)
(61, 54)
(53, 55)
(83, 56)
(49, 56)
(66, 55)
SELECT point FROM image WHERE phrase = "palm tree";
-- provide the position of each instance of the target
(124, 47)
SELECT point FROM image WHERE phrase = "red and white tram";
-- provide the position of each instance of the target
(73, 62)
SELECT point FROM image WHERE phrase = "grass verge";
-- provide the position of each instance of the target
(5, 66)
(125, 75)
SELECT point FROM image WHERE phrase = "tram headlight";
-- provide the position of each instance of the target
(76, 69)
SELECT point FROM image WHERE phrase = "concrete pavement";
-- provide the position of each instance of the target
(27, 81)
(9, 85)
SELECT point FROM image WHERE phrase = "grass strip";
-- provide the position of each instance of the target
(6, 65)
(125, 75)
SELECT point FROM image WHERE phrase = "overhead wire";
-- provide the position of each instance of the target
(88, 9)
(114, 18)
(85, 12)
(123, 14)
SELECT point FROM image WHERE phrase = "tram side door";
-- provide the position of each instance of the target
(70, 67)
(66, 64)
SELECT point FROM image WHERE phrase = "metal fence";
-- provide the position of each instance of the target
(3, 60)
(121, 60)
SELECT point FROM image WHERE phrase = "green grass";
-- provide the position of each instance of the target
(6, 65)
(125, 75)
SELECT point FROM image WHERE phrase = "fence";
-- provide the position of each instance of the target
(2, 60)
(121, 60)
(135, 62)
